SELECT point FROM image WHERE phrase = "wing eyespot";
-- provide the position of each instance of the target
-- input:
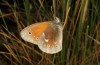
(56, 46)
(37, 38)
(29, 33)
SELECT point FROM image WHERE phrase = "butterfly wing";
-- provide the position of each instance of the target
(33, 32)
(51, 39)
(47, 35)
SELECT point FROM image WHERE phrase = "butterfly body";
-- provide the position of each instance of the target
(47, 35)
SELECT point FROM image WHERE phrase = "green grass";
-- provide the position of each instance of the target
(81, 32)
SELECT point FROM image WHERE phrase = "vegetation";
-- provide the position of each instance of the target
(81, 31)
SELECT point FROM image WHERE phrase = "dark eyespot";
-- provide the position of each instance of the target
(37, 38)
(30, 33)
(56, 45)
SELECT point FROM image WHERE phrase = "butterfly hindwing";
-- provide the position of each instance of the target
(51, 39)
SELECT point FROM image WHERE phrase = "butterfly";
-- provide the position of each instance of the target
(47, 35)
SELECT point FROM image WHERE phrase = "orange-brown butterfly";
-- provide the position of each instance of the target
(47, 35)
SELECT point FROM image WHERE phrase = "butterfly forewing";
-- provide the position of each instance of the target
(33, 32)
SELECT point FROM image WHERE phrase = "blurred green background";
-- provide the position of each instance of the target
(81, 31)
